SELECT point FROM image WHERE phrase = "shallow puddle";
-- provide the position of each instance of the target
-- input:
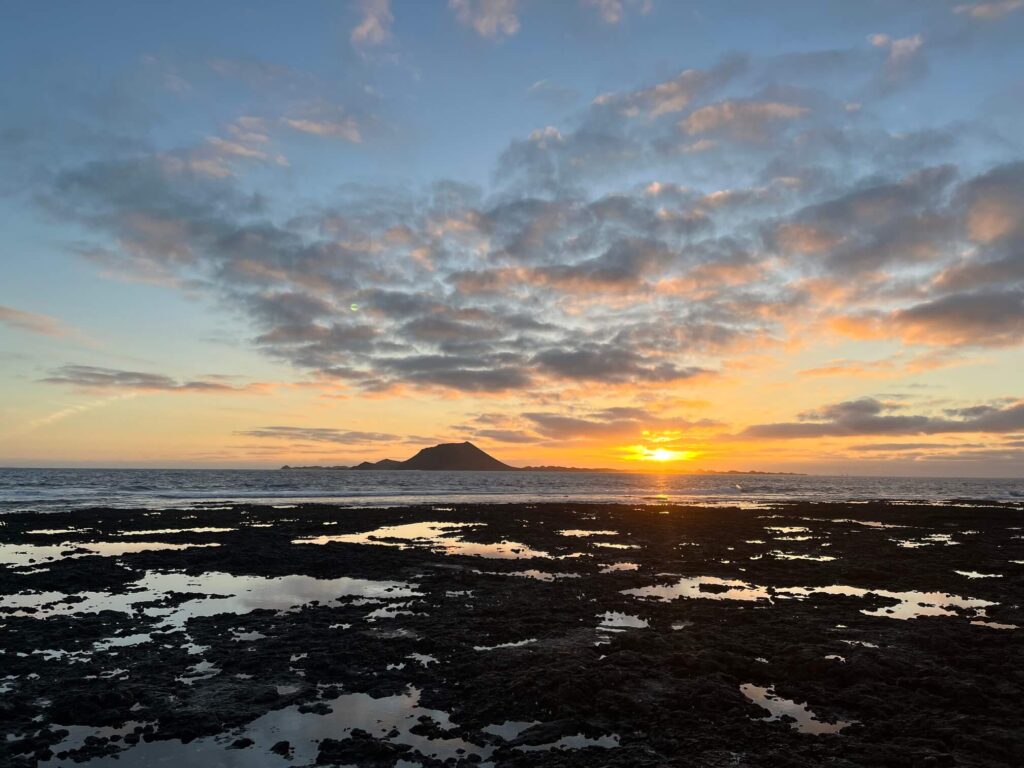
(933, 539)
(615, 621)
(779, 555)
(389, 719)
(163, 531)
(579, 741)
(533, 573)
(707, 587)
(802, 719)
(909, 604)
(499, 646)
(614, 567)
(210, 594)
(976, 575)
(868, 523)
(436, 536)
(24, 555)
(380, 717)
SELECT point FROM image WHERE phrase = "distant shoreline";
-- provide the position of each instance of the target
(345, 468)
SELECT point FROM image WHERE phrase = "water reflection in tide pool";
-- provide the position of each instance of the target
(800, 716)
(25, 555)
(432, 535)
(389, 719)
(577, 741)
(533, 573)
(621, 566)
(210, 594)
(907, 604)
(510, 729)
(380, 717)
(707, 587)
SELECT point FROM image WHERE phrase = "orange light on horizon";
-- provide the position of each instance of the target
(660, 454)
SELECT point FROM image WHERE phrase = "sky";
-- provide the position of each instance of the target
(639, 234)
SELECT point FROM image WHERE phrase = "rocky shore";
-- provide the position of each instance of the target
(575, 634)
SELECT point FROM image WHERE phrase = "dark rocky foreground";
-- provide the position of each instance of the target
(136, 658)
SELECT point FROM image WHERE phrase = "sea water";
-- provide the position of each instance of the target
(55, 489)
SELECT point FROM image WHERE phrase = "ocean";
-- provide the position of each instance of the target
(59, 489)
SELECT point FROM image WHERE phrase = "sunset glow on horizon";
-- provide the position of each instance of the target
(635, 235)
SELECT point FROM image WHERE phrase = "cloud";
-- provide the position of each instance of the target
(674, 95)
(555, 163)
(742, 120)
(345, 128)
(896, 447)
(64, 413)
(94, 377)
(45, 325)
(985, 318)
(904, 61)
(443, 288)
(491, 19)
(895, 366)
(989, 11)
(320, 435)
(609, 423)
(614, 11)
(609, 363)
(621, 135)
(374, 27)
(864, 229)
(504, 436)
(869, 416)
(993, 202)
(588, 262)
(245, 140)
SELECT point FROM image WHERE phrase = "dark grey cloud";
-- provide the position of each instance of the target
(611, 364)
(869, 416)
(498, 373)
(505, 436)
(899, 447)
(608, 423)
(320, 435)
(903, 222)
(93, 377)
(982, 318)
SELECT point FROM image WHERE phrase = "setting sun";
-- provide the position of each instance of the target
(660, 455)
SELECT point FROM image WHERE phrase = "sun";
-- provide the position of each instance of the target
(663, 454)
(660, 455)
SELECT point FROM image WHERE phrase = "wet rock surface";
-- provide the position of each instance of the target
(412, 649)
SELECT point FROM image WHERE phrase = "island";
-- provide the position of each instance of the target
(446, 457)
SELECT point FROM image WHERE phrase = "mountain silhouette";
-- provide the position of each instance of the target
(447, 457)
(452, 457)
(382, 464)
